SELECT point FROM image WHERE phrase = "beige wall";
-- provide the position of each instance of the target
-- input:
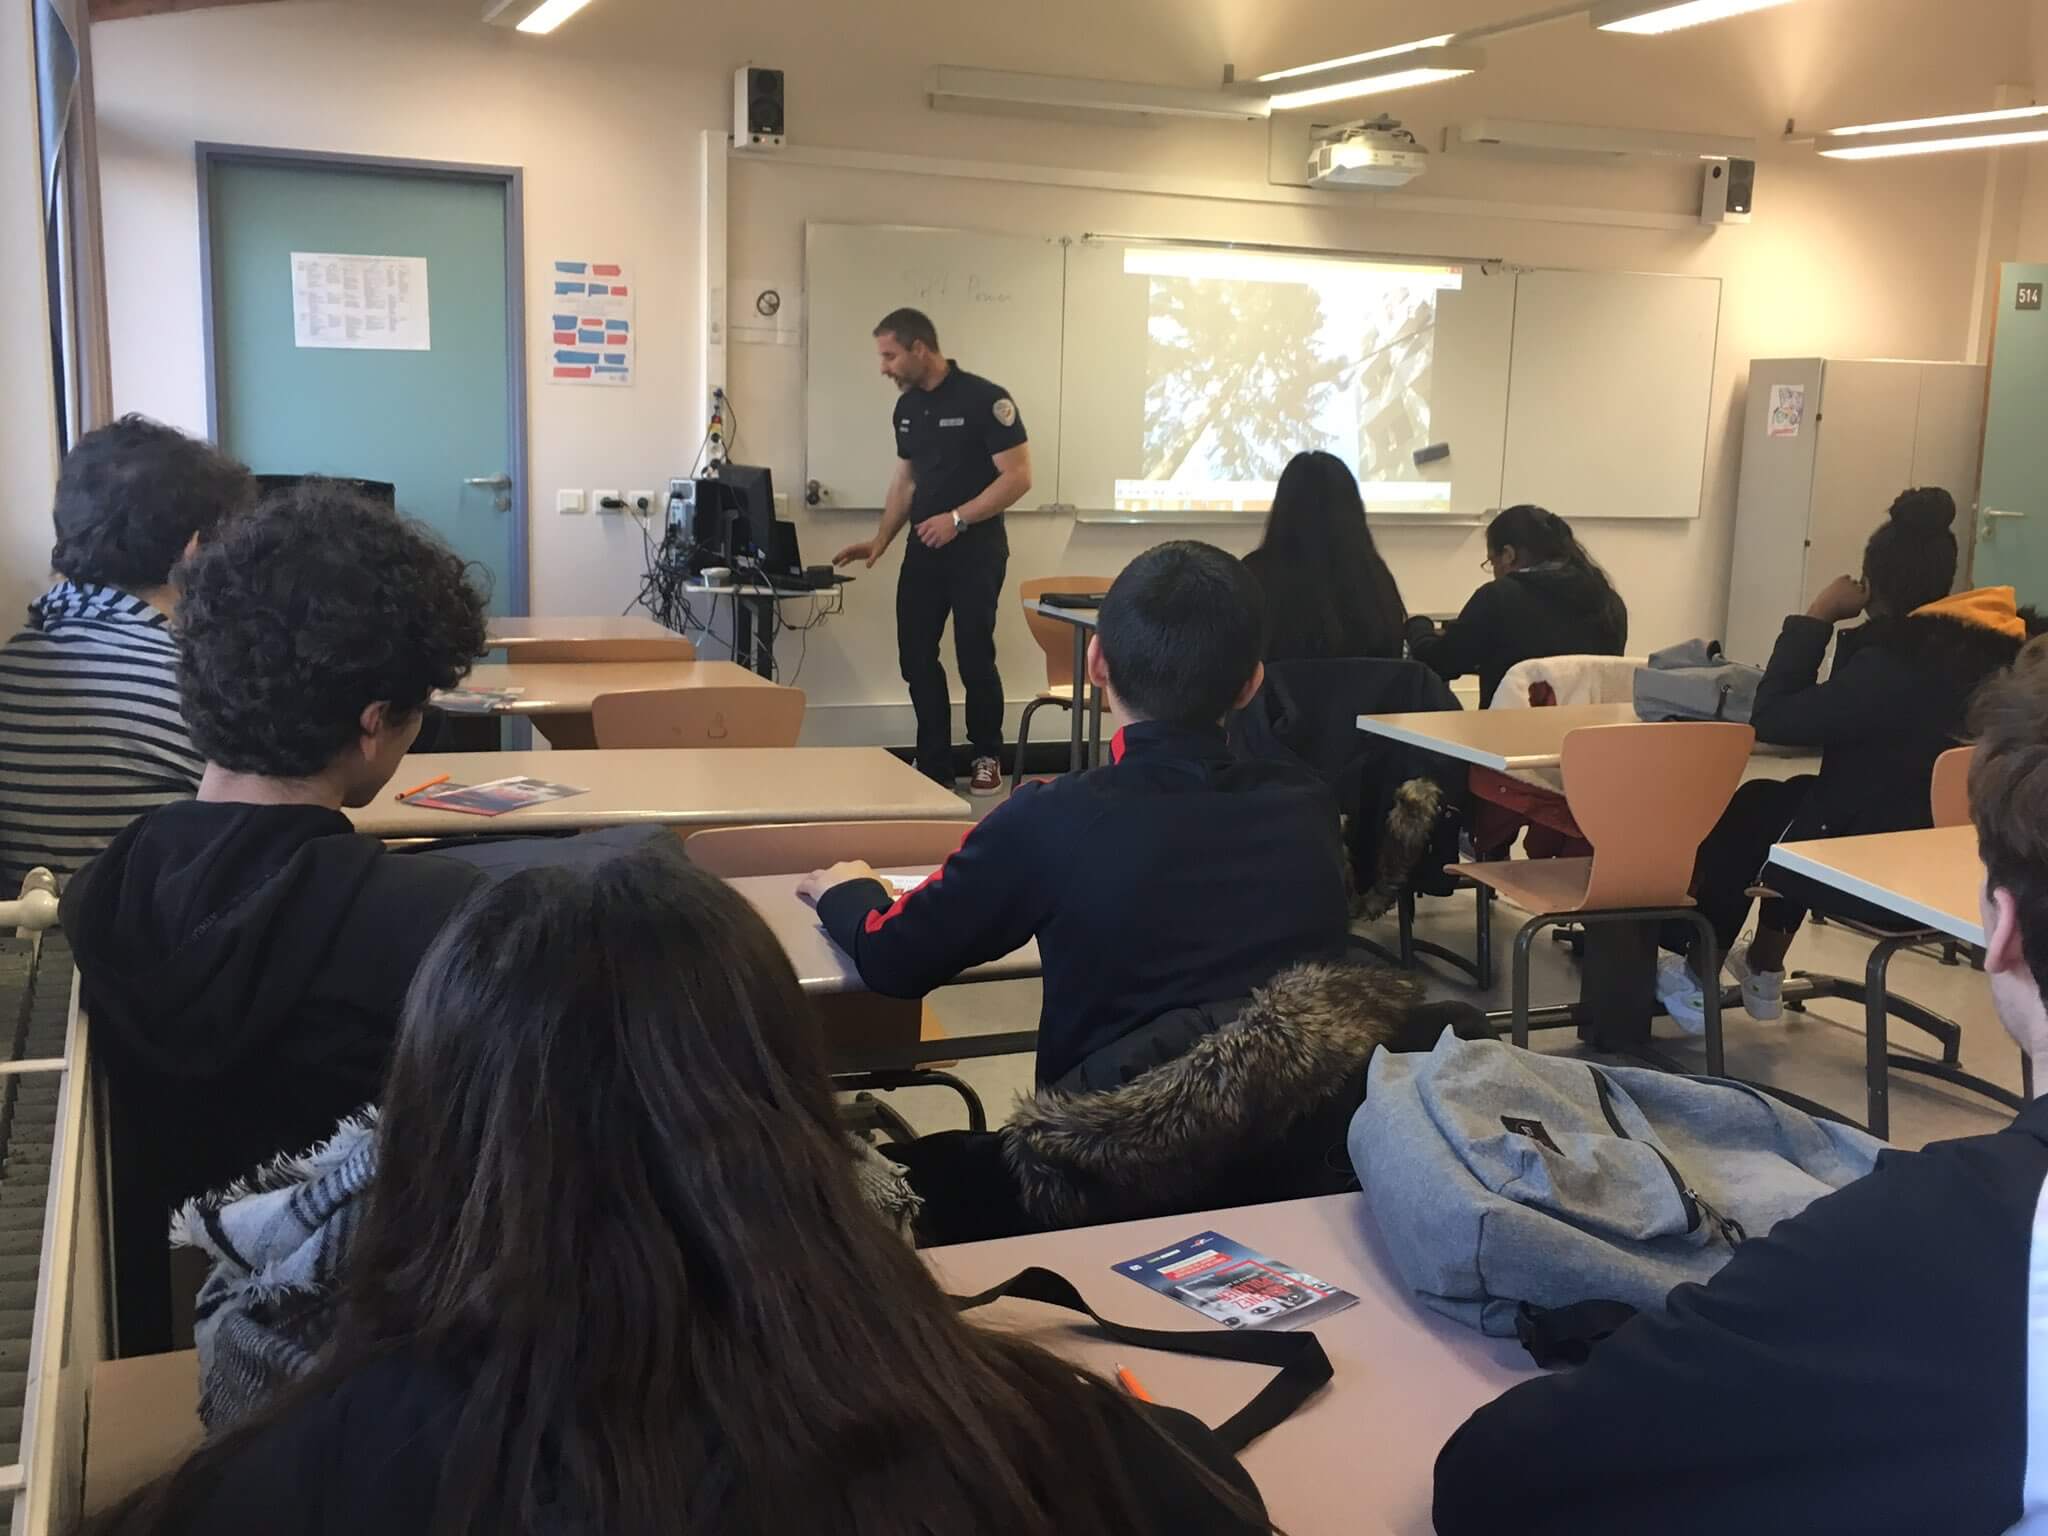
(28, 424)
(1843, 260)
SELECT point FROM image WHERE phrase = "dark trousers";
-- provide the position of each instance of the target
(963, 581)
(1732, 858)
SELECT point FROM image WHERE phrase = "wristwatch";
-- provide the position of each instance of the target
(959, 522)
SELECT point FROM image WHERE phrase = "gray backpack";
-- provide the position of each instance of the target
(1501, 1177)
(1694, 681)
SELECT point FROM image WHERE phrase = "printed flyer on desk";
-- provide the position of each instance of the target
(1236, 1286)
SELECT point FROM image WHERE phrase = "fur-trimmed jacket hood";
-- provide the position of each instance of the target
(1253, 1108)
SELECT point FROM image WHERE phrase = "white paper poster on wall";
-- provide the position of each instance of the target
(767, 312)
(1788, 410)
(590, 324)
(361, 303)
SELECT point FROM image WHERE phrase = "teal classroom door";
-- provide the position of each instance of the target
(2012, 496)
(441, 425)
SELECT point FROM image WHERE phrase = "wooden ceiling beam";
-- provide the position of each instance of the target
(121, 10)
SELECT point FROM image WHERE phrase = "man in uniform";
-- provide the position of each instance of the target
(962, 462)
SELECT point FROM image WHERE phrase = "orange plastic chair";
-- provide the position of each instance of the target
(653, 648)
(699, 717)
(852, 1020)
(1645, 796)
(1951, 794)
(1057, 641)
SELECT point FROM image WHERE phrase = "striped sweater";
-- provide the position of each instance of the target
(90, 731)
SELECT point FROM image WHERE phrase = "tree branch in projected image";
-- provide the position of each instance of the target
(1249, 408)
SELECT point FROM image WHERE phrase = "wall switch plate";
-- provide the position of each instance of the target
(568, 501)
(782, 504)
(599, 498)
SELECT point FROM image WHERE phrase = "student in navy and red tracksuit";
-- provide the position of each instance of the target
(1172, 878)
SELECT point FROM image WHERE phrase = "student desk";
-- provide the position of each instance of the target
(556, 696)
(1930, 877)
(823, 969)
(683, 787)
(1618, 979)
(513, 635)
(143, 1420)
(1082, 621)
(1359, 1456)
(1529, 743)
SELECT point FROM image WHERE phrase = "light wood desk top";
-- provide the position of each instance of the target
(689, 787)
(1931, 876)
(1525, 742)
(512, 634)
(822, 967)
(1363, 1449)
(567, 687)
(143, 1420)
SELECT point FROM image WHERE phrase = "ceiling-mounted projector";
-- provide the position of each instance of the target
(1375, 153)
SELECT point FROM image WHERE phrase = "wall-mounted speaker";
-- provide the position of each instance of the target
(757, 108)
(1728, 194)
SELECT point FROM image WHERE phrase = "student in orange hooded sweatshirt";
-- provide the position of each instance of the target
(1896, 700)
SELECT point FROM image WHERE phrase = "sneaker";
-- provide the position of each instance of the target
(1678, 989)
(1762, 991)
(987, 778)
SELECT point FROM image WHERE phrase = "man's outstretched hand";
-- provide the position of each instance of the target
(871, 551)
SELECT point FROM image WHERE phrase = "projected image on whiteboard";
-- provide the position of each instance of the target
(1252, 358)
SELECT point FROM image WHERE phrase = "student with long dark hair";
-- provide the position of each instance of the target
(1548, 597)
(1328, 592)
(615, 1277)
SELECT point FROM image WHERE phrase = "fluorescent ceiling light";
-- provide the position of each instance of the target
(1353, 58)
(1278, 267)
(1576, 140)
(999, 90)
(529, 16)
(1938, 146)
(1954, 120)
(1396, 70)
(1653, 17)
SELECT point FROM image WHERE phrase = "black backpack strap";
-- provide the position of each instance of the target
(1559, 1336)
(1303, 1367)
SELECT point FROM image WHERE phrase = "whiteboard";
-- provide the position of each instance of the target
(996, 301)
(1587, 392)
(1609, 393)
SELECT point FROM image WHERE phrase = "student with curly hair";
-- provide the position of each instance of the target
(91, 734)
(244, 954)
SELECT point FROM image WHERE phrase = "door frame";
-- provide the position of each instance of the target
(511, 179)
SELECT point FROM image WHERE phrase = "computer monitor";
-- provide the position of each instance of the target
(755, 491)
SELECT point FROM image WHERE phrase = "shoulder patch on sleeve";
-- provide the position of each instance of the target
(1006, 411)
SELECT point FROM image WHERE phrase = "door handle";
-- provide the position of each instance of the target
(504, 483)
(1987, 516)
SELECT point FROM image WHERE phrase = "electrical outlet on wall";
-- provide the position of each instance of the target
(568, 501)
(599, 498)
(640, 503)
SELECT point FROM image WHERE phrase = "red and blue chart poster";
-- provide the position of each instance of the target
(590, 323)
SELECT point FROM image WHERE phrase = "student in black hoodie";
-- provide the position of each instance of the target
(244, 954)
(615, 1278)
(1895, 701)
(1873, 1365)
(1548, 597)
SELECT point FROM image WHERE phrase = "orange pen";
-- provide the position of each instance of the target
(419, 789)
(1132, 1385)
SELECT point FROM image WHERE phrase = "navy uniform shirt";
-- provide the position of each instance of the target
(951, 436)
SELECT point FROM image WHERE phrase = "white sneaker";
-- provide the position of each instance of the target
(1679, 991)
(1762, 991)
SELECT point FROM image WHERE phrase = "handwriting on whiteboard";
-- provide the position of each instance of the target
(925, 287)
